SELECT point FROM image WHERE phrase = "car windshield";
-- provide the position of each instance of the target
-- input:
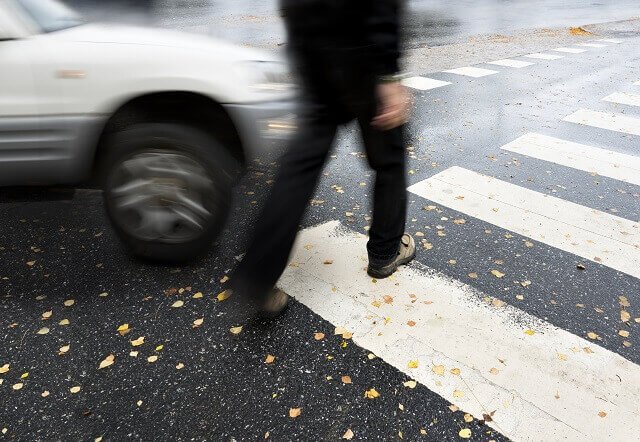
(50, 15)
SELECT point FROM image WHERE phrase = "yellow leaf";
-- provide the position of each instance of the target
(562, 356)
(224, 295)
(64, 322)
(376, 303)
(235, 330)
(294, 412)
(467, 417)
(318, 336)
(453, 408)
(43, 331)
(497, 273)
(455, 371)
(45, 393)
(24, 375)
(624, 333)
(75, 389)
(179, 303)
(159, 347)
(520, 297)
(473, 275)
(413, 364)
(371, 394)
(348, 435)
(224, 279)
(138, 342)
(5, 368)
(437, 369)
(69, 302)
(197, 295)
(410, 384)
(624, 316)
(371, 356)
(346, 379)
(198, 322)
(180, 366)
(152, 358)
(47, 315)
(458, 393)
(270, 359)
(498, 303)
(139, 403)
(17, 386)
(592, 335)
(109, 360)
(529, 332)
(133, 354)
(123, 329)
(465, 433)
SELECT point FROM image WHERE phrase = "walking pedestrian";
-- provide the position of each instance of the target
(346, 53)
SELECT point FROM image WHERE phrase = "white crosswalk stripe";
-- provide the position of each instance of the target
(605, 120)
(610, 40)
(423, 83)
(543, 56)
(511, 63)
(592, 45)
(588, 233)
(543, 382)
(470, 71)
(578, 156)
(570, 50)
(624, 98)
(637, 83)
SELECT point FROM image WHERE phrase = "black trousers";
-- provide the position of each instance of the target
(299, 171)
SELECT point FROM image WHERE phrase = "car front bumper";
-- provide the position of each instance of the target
(263, 126)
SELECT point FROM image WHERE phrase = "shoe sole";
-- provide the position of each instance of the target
(381, 274)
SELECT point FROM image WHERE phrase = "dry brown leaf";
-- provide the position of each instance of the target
(602, 414)
(327, 262)
(346, 379)
(411, 323)
(294, 412)
(387, 299)
(269, 359)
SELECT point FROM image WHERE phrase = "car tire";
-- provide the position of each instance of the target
(167, 190)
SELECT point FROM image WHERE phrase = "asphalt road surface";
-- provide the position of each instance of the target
(519, 319)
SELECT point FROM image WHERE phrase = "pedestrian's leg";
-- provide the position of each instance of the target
(385, 153)
(276, 228)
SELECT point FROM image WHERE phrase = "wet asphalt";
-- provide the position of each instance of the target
(207, 384)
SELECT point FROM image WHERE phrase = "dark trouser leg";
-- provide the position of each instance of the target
(385, 153)
(278, 224)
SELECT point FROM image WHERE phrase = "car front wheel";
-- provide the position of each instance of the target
(167, 190)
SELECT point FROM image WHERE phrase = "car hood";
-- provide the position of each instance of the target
(134, 35)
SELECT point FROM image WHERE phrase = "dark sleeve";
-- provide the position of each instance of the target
(383, 27)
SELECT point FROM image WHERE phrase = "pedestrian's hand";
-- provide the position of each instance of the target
(394, 106)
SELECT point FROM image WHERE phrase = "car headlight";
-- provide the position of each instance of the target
(270, 76)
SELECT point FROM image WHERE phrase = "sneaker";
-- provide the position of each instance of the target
(276, 302)
(406, 253)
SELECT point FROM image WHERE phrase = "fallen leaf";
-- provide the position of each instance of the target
(602, 414)
(411, 323)
(43, 331)
(465, 433)
(401, 407)
(17, 386)
(453, 408)
(197, 295)
(348, 435)
(388, 299)
(525, 283)
(159, 347)
(520, 297)
(410, 384)
(198, 322)
(123, 329)
(24, 375)
(179, 303)
(133, 354)
(498, 302)
(138, 342)
(224, 295)
(5, 368)
(592, 335)
(152, 358)
(376, 303)
(294, 412)
(269, 359)
(139, 403)
(458, 393)
(371, 356)
(65, 348)
(30, 263)
(371, 394)
(346, 379)
(473, 275)
(327, 262)
(528, 244)
(437, 369)
(455, 371)
(69, 302)
(109, 360)
(467, 417)
(235, 330)
(529, 332)
(497, 273)
(413, 364)
(75, 389)
(179, 366)
(581, 267)
(624, 316)
(224, 279)
(624, 333)
(45, 393)
(459, 221)
(64, 322)
(47, 315)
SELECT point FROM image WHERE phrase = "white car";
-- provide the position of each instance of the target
(161, 120)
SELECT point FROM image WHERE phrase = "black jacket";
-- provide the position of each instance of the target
(365, 32)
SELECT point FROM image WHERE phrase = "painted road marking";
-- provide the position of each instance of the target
(423, 83)
(624, 98)
(592, 45)
(578, 156)
(539, 379)
(570, 50)
(589, 233)
(511, 63)
(611, 40)
(637, 83)
(543, 56)
(605, 120)
(471, 71)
